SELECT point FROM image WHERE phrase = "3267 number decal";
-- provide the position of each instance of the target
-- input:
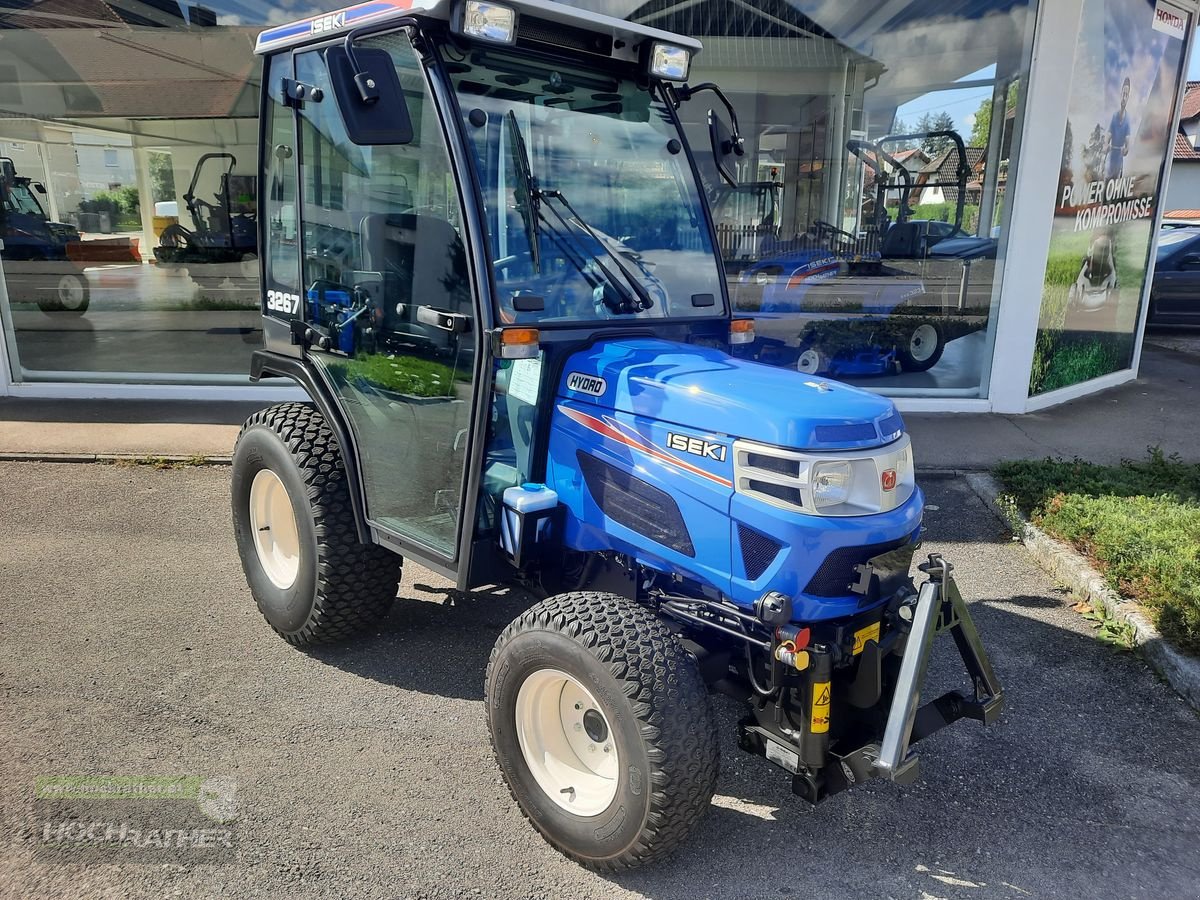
(283, 302)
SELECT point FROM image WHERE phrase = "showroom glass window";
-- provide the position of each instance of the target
(867, 229)
(133, 126)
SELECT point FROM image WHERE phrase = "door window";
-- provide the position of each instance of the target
(383, 250)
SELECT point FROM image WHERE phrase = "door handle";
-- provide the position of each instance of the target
(456, 323)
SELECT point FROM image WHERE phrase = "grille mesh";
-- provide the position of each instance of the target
(891, 425)
(636, 504)
(834, 434)
(836, 574)
(530, 28)
(758, 551)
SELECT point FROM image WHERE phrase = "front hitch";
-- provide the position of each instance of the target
(939, 607)
(800, 743)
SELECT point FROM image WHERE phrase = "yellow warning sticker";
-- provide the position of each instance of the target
(870, 633)
(820, 708)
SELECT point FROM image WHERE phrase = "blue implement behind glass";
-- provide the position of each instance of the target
(488, 258)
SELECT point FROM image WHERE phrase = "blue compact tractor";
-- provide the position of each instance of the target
(488, 259)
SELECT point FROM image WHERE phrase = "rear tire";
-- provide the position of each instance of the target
(313, 580)
(921, 347)
(640, 694)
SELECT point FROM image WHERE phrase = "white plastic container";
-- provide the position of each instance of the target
(519, 501)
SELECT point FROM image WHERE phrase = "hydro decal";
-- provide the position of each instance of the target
(622, 434)
(586, 384)
(696, 446)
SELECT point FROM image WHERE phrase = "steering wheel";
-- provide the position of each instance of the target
(822, 226)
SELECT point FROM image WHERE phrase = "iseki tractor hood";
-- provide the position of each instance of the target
(708, 390)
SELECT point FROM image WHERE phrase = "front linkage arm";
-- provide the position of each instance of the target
(940, 607)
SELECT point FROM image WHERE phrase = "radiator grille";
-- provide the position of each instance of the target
(758, 551)
(836, 574)
(636, 504)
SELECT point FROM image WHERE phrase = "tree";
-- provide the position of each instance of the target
(1068, 147)
(162, 177)
(983, 116)
(943, 121)
(902, 127)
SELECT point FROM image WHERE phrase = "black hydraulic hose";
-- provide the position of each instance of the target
(758, 689)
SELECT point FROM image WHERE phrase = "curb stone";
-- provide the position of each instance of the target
(1072, 569)
(114, 457)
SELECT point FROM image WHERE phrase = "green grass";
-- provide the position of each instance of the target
(1139, 523)
(409, 375)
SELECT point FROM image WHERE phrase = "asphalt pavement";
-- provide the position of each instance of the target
(129, 645)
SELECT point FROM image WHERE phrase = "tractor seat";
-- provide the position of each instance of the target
(422, 259)
(902, 241)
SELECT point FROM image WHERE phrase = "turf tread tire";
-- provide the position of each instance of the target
(670, 702)
(356, 583)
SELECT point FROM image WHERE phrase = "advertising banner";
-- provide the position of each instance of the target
(1119, 130)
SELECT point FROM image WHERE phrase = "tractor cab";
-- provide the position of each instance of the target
(489, 260)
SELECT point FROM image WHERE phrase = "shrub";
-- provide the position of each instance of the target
(1138, 522)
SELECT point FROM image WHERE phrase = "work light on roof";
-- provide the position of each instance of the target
(669, 62)
(492, 22)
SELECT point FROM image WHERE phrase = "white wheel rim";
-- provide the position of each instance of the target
(70, 292)
(923, 342)
(809, 362)
(566, 742)
(276, 537)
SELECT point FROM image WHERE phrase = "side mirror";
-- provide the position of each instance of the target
(725, 145)
(369, 95)
(8, 171)
(39, 187)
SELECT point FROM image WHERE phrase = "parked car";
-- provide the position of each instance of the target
(1175, 291)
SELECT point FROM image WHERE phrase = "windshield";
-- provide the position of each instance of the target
(592, 209)
(21, 200)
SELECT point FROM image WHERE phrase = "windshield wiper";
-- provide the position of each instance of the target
(643, 300)
(529, 196)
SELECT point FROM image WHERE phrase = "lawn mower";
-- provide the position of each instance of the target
(223, 240)
(690, 521)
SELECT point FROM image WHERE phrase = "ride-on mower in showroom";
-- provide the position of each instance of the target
(515, 380)
(223, 240)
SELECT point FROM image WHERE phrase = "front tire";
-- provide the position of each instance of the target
(603, 729)
(313, 580)
(71, 294)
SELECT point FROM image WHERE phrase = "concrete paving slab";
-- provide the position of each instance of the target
(120, 427)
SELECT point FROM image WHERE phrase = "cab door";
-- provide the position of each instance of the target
(388, 300)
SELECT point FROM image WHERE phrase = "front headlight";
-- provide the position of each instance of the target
(831, 483)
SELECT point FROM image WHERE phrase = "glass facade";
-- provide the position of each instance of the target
(864, 234)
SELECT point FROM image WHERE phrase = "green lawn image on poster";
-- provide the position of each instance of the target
(1120, 126)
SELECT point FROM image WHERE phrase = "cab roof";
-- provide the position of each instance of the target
(325, 25)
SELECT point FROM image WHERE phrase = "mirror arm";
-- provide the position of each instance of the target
(687, 91)
(368, 92)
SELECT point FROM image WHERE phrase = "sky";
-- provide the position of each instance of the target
(1194, 68)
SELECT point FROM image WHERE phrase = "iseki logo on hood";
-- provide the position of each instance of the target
(696, 447)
